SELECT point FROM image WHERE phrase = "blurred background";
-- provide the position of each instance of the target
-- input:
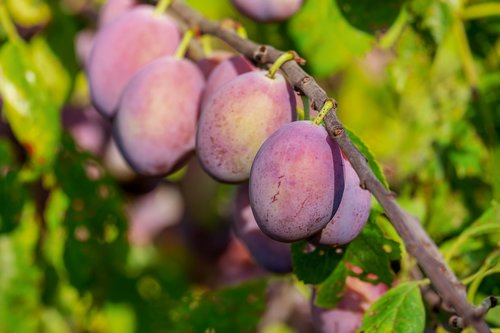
(87, 245)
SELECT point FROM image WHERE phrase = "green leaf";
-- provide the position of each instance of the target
(32, 115)
(372, 162)
(399, 310)
(56, 78)
(314, 264)
(13, 193)
(223, 310)
(324, 37)
(29, 13)
(332, 289)
(20, 277)
(373, 253)
(96, 245)
(364, 15)
(435, 16)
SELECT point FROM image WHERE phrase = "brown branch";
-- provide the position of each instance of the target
(417, 242)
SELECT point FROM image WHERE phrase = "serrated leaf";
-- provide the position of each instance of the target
(399, 310)
(324, 37)
(363, 15)
(372, 162)
(373, 253)
(223, 310)
(31, 113)
(331, 290)
(314, 264)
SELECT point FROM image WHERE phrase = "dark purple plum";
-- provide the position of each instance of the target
(155, 126)
(352, 214)
(237, 119)
(268, 10)
(296, 182)
(123, 47)
(272, 255)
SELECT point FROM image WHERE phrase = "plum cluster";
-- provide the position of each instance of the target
(239, 120)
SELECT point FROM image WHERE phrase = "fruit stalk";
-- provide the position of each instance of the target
(417, 241)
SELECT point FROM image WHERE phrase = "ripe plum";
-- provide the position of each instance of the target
(296, 182)
(124, 46)
(156, 123)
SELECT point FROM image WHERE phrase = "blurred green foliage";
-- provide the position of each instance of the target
(417, 82)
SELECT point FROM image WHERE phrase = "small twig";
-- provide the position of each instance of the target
(480, 311)
(416, 240)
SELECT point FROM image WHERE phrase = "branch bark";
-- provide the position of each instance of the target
(416, 240)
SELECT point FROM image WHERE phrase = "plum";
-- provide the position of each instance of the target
(84, 42)
(114, 8)
(155, 125)
(208, 64)
(352, 214)
(224, 72)
(151, 212)
(115, 163)
(268, 10)
(87, 127)
(272, 255)
(237, 119)
(124, 46)
(296, 182)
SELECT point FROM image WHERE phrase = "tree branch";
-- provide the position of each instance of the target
(416, 240)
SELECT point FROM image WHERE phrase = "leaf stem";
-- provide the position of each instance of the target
(484, 229)
(184, 44)
(8, 25)
(465, 53)
(481, 10)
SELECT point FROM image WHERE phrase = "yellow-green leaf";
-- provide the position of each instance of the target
(28, 105)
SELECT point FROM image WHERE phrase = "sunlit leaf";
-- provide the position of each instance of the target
(223, 310)
(324, 38)
(399, 310)
(29, 108)
(29, 13)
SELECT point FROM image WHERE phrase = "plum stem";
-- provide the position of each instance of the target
(161, 6)
(286, 56)
(327, 106)
(8, 25)
(206, 44)
(184, 44)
